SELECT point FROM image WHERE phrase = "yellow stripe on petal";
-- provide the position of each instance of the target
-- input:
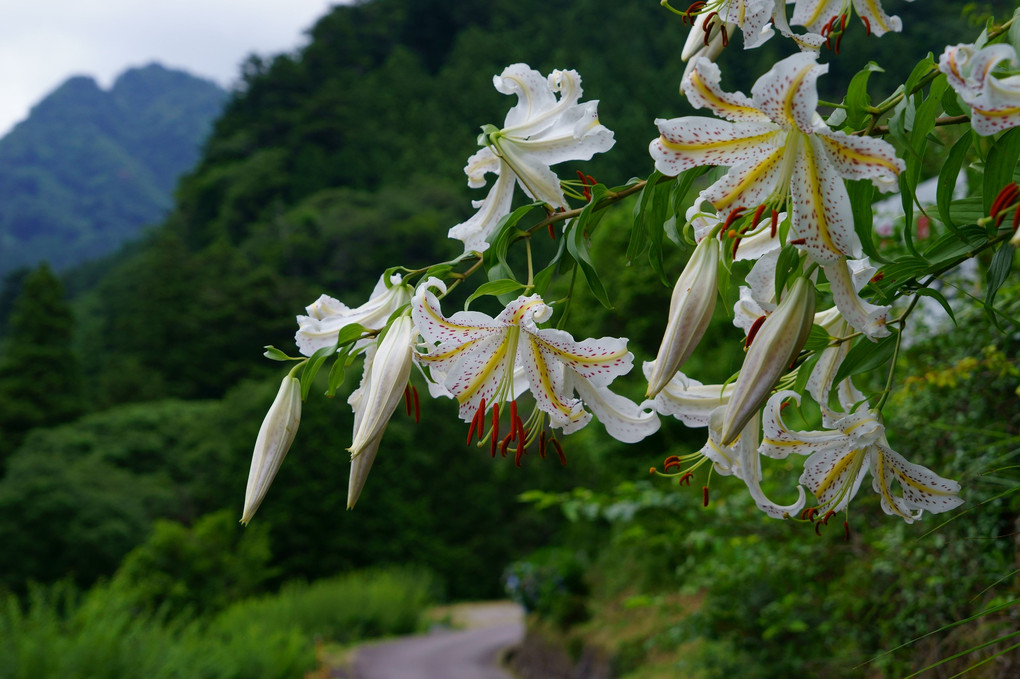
(680, 147)
(834, 474)
(545, 384)
(886, 492)
(749, 179)
(814, 193)
(720, 105)
(856, 156)
(876, 14)
(476, 382)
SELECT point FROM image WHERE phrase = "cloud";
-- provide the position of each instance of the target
(43, 42)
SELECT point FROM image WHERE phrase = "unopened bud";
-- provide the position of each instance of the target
(273, 442)
(777, 344)
(690, 310)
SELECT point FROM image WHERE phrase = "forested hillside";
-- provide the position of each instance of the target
(89, 168)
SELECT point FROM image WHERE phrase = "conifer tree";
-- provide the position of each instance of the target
(40, 381)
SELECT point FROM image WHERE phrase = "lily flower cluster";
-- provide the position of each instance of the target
(778, 217)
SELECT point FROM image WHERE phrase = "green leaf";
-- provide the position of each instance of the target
(862, 195)
(274, 354)
(857, 99)
(805, 369)
(940, 298)
(818, 339)
(336, 374)
(500, 287)
(577, 246)
(350, 333)
(865, 356)
(998, 272)
(948, 177)
(1000, 165)
(968, 210)
(312, 368)
(787, 263)
(506, 234)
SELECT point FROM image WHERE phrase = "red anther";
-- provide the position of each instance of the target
(504, 445)
(495, 421)
(757, 214)
(736, 244)
(407, 398)
(704, 496)
(828, 515)
(513, 418)
(725, 37)
(492, 446)
(671, 464)
(417, 404)
(541, 444)
(735, 214)
(685, 480)
(809, 513)
(520, 453)
(591, 180)
(775, 222)
(587, 194)
(475, 422)
(877, 277)
(818, 528)
(552, 234)
(671, 459)
(798, 241)
(842, 22)
(784, 405)
(559, 452)
(846, 531)
(867, 25)
(753, 330)
(651, 470)
(835, 49)
(695, 6)
(580, 175)
(1004, 197)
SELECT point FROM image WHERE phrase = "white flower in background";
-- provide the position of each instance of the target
(779, 150)
(328, 316)
(690, 310)
(540, 131)
(387, 370)
(994, 101)
(840, 455)
(476, 358)
(816, 14)
(274, 440)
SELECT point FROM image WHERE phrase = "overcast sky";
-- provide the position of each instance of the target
(43, 42)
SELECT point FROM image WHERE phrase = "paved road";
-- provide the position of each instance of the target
(447, 654)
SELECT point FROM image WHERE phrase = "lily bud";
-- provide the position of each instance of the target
(690, 310)
(387, 370)
(272, 444)
(779, 340)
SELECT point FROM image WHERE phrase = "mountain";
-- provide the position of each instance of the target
(90, 168)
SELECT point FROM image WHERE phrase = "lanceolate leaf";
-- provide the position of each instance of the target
(1001, 165)
(948, 176)
(998, 272)
(500, 287)
(865, 356)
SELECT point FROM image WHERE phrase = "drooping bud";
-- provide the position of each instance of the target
(690, 310)
(273, 442)
(387, 370)
(776, 345)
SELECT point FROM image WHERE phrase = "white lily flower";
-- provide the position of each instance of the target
(816, 14)
(994, 102)
(687, 399)
(538, 132)
(690, 310)
(387, 370)
(779, 150)
(328, 316)
(274, 440)
(476, 357)
(868, 319)
(840, 456)
(776, 345)
(717, 16)
(820, 382)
